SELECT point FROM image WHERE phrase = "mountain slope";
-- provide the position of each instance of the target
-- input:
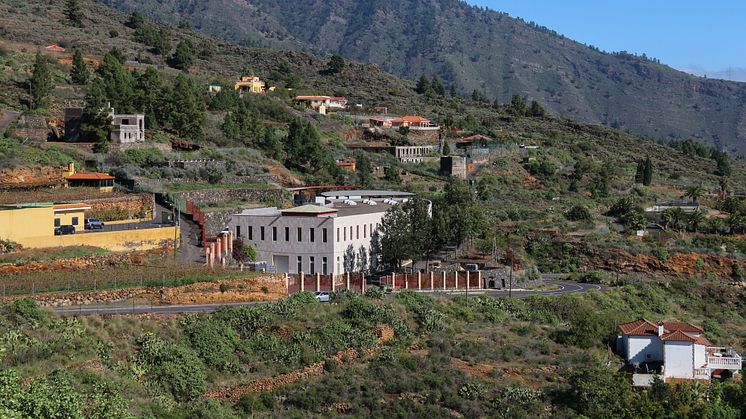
(484, 50)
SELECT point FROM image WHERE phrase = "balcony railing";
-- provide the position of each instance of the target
(702, 374)
(729, 362)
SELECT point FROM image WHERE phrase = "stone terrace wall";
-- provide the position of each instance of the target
(216, 197)
(24, 177)
(128, 207)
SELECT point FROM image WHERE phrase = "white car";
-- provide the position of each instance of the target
(323, 296)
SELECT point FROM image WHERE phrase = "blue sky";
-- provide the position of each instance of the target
(681, 33)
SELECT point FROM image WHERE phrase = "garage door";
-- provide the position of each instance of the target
(282, 263)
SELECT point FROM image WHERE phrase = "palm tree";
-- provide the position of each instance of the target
(695, 192)
(674, 218)
(715, 225)
(695, 220)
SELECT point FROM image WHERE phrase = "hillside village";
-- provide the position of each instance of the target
(151, 168)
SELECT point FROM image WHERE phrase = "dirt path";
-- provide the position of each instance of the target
(7, 117)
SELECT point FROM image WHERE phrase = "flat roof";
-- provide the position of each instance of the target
(366, 193)
(309, 210)
(28, 205)
(344, 210)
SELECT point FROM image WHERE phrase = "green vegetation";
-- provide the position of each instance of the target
(532, 357)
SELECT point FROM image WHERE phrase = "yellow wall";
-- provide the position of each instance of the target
(22, 223)
(117, 241)
(66, 219)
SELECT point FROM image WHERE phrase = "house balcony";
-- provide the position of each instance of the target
(723, 358)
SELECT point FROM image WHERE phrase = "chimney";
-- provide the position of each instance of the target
(661, 330)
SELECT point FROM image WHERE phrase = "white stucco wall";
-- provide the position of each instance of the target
(643, 349)
(679, 360)
(700, 357)
(342, 231)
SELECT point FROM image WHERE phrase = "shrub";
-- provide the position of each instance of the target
(213, 340)
(660, 252)
(177, 369)
(255, 403)
(28, 310)
(579, 213)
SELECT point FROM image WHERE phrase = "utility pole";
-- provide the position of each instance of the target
(510, 286)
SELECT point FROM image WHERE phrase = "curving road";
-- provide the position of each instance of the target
(564, 287)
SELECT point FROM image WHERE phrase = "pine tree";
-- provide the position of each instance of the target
(183, 56)
(73, 13)
(364, 170)
(640, 172)
(536, 109)
(186, 115)
(437, 86)
(95, 121)
(40, 82)
(336, 64)
(446, 148)
(453, 90)
(79, 74)
(423, 85)
(118, 83)
(647, 177)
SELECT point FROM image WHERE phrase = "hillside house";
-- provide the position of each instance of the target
(322, 104)
(313, 238)
(250, 84)
(127, 128)
(677, 351)
(104, 182)
(662, 205)
(414, 123)
(454, 166)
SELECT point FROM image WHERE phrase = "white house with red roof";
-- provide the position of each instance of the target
(678, 349)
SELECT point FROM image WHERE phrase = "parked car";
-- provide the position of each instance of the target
(64, 230)
(93, 224)
(473, 267)
(323, 296)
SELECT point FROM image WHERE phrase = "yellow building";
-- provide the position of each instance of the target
(70, 215)
(32, 226)
(250, 84)
(19, 222)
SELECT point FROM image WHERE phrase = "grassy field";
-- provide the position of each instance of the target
(45, 255)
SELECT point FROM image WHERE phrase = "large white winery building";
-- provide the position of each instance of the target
(313, 238)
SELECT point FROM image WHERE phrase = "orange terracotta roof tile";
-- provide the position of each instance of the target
(640, 327)
(90, 176)
(684, 327)
(63, 207)
(678, 336)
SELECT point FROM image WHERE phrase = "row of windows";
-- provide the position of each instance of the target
(356, 229)
(342, 233)
(298, 234)
(312, 265)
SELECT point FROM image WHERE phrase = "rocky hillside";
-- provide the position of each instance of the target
(478, 49)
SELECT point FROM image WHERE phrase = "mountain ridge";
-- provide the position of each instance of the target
(484, 50)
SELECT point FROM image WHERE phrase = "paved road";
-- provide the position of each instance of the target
(565, 287)
(6, 118)
(143, 309)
